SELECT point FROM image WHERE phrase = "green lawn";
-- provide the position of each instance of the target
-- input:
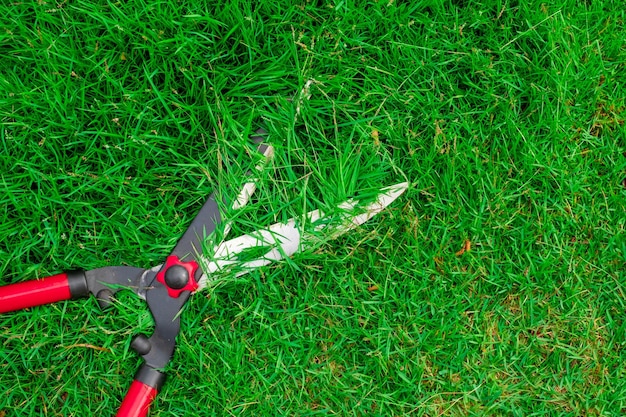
(118, 118)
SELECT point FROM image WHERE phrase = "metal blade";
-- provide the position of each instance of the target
(281, 240)
(190, 244)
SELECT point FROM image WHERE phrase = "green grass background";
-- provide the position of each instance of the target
(117, 119)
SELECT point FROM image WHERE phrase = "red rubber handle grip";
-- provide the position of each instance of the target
(34, 293)
(137, 400)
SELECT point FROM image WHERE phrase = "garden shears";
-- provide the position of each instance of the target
(167, 287)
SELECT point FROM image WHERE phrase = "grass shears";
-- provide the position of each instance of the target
(167, 287)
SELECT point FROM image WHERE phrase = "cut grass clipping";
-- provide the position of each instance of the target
(494, 286)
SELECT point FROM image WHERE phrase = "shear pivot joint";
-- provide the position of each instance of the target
(178, 276)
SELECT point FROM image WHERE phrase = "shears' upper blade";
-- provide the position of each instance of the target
(282, 240)
(190, 244)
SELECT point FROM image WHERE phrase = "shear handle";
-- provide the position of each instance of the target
(65, 286)
(142, 392)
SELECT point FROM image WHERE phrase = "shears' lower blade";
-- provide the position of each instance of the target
(282, 240)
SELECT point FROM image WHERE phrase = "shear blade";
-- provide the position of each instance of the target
(240, 255)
